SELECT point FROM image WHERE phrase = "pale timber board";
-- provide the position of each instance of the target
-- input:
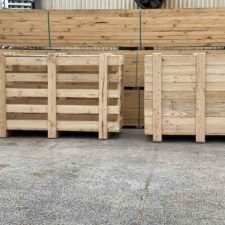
(52, 95)
(3, 130)
(200, 97)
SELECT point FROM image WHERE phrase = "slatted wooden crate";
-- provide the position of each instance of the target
(65, 93)
(185, 95)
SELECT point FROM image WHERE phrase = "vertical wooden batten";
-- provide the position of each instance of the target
(52, 97)
(3, 125)
(121, 88)
(157, 97)
(200, 97)
(103, 96)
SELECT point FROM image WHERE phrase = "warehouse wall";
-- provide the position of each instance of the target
(125, 4)
(194, 3)
(88, 4)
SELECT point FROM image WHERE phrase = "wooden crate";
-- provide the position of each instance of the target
(54, 97)
(185, 95)
(133, 76)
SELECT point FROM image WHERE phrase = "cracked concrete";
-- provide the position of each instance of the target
(127, 180)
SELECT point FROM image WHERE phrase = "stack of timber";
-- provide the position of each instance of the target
(184, 95)
(184, 28)
(61, 92)
(114, 28)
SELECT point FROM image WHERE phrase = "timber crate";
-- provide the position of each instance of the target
(185, 95)
(59, 92)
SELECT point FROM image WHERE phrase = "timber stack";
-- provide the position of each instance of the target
(114, 28)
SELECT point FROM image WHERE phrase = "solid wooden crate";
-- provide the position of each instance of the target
(65, 93)
(185, 95)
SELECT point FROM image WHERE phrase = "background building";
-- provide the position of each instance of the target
(105, 4)
(18, 4)
(125, 4)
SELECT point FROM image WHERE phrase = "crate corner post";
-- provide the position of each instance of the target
(121, 90)
(103, 96)
(200, 97)
(157, 97)
(3, 119)
(52, 96)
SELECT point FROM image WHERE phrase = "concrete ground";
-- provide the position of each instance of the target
(128, 180)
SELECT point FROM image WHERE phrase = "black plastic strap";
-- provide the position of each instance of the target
(49, 30)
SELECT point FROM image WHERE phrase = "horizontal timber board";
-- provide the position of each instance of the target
(61, 77)
(61, 109)
(42, 125)
(186, 126)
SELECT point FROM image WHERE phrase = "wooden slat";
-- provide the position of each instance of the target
(176, 60)
(84, 77)
(186, 126)
(77, 93)
(18, 108)
(200, 98)
(61, 77)
(77, 60)
(120, 87)
(26, 77)
(180, 88)
(52, 94)
(62, 93)
(30, 61)
(177, 108)
(157, 98)
(86, 60)
(39, 125)
(174, 126)
(103, 96)
(84, 93)
(3, 129)
(85, 126)
(20, 92)
(85, 109)
(148, 87)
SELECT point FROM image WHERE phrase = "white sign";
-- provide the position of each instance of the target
(1, 4)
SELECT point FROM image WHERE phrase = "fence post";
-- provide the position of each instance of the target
(200, 97)
(52, 97)
(3, 121)
(103, 96)
(157, 97)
